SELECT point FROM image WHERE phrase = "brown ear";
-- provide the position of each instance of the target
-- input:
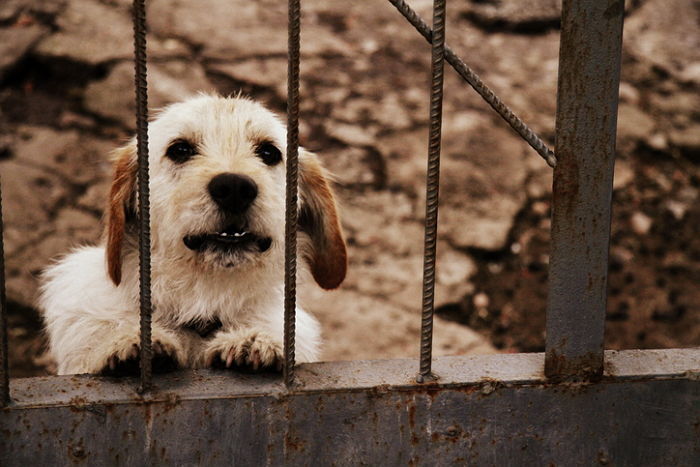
(119, 207)
(318, 217)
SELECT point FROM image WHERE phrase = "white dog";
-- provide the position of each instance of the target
(217, 168)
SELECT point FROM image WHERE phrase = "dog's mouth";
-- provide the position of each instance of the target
(232, 238)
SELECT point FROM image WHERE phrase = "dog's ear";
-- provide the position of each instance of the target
(318, 217)
(121, 206)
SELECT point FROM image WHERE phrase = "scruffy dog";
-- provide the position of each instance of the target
(217, 168)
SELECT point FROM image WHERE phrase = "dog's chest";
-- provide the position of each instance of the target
(205, 303)
(205, 328)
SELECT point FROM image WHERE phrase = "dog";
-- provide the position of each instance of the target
(217, 196)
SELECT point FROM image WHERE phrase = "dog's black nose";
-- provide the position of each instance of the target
(233, 192)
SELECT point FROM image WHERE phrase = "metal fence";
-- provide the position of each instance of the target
(574, 404)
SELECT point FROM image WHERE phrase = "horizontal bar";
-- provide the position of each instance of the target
(493, 409)
(586, 122)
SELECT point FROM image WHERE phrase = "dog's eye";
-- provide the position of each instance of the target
(180, 151)
(269, 154)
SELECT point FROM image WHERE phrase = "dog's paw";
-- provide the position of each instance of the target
(244, 350)
(125, 361)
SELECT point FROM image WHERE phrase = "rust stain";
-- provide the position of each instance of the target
(172, 400)
(451, 434)
(566, 185)
(587, 367)
(412, 415)
(470, 389)
(489, 386)
(294, 443)
(77, 403)
(320, 404)
(433, 392)
(77, 452)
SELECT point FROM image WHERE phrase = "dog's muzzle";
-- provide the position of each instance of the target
(229, 239)
(233, 194)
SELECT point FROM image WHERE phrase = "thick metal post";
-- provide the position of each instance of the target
(4, 356)
(139, 11)
(589, 77)
(290, 223)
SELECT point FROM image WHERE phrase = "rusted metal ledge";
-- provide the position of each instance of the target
(483, 410)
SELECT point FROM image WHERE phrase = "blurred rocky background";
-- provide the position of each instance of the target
(66, 92)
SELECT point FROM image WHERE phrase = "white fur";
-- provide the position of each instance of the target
(90, 320)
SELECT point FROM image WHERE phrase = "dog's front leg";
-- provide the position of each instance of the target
(260, 344)
(247, 348)
(109, 347)
(125, 353)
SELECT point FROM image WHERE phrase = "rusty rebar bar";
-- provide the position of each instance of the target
(475, 82)
(4, 355)
(291, 215)
(432, 190)
(139, 14)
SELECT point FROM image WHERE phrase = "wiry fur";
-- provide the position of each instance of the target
(90, 297)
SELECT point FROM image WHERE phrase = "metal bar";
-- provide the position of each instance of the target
(432, 190)
(4, 355)
(589, 77)
(486, 409)
(139, 12)
(475, 82)
(290, 226)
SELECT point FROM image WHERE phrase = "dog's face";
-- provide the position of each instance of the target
(217, 168)
(218, 180)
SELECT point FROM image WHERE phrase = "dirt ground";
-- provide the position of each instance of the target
(66, 100)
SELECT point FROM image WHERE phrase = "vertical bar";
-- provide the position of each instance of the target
(432, 191)
(139, 12)
(589, 77)
(4, 356)
(290, 227)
